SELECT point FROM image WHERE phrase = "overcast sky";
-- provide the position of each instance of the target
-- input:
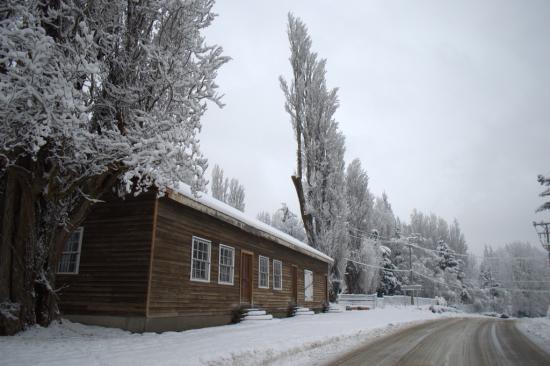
(446, 104)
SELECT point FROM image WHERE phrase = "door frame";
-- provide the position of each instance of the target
(326, 290)
(294, 279)
(245, 253)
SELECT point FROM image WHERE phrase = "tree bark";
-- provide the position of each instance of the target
(32, 238)
(307, 219)
(18, 237)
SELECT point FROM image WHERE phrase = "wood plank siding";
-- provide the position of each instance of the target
(114, 261)
(135, 267)
(174, 294)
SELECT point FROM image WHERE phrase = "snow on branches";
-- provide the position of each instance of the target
(225, 190)
(320, 170)
(91, 92)
(544, 181)
(95, 95)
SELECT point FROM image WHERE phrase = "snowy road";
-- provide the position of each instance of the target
(464, 341)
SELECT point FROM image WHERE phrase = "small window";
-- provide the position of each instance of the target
(70, 258)
(308, 285)
(200, 260)
(227, 265)
(277, 275)
(263, 281)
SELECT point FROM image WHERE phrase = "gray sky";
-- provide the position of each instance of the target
(446, 103)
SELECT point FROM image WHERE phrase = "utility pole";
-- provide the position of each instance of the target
(411, 273)
(543, 232)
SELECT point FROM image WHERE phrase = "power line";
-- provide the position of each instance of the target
(443, 283)
(439, 282)
(393, 241)
(378, 267)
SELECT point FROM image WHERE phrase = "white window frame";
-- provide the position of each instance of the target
(208, 262)
(80, 231)
(260, 271)
(306, 297)
(280, 284)
(231, 268)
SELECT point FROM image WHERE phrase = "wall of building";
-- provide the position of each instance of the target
(114, 261)
(120, 284)
(174, 295)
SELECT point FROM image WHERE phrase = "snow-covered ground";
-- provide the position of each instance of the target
(291, 341)
(537, 329)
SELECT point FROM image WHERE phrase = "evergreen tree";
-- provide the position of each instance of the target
(446, 256)
(389, 283)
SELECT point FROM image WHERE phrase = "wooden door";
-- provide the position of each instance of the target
(294, 285)
(246, 278)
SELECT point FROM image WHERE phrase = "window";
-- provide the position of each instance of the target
(263, 272)
(200, 260)
(277, 275)
(70, 258)
(308, 285)
(227, 265)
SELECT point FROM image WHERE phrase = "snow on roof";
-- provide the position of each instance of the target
(224, 212)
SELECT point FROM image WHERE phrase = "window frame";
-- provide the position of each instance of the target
(232, 267)
(280, 263)
(306, 298)
(260, 271)
(80, 231)
(209, 262)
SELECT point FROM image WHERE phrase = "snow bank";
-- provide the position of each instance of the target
(537, 329)
(300, 340)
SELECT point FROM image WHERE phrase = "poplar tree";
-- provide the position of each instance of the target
(319, 179)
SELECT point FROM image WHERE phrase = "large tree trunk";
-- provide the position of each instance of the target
(307, 218)
(33, 233)
(19, 236)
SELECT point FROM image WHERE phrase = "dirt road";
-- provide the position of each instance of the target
(453, 342)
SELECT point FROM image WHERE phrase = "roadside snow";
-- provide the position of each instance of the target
(289, 341)
(537, 329)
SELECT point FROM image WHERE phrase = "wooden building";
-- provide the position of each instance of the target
(180, 262)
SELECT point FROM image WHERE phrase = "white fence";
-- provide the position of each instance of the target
(370, 301)
(373, 302)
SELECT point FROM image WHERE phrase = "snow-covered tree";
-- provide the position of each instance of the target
(514, 278)
(93, 95)
(359, 201)
(319, 177)
(389, 282)
(486, 276)
(544, 181)
(288, 222)
(225, 190)
(285, 220)
(383, 218)
(447, 260)
(219, 184)
(264, 217)
(362, 274)
(235, 197)
(434, 228)
(456, 238)
(360, 206)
